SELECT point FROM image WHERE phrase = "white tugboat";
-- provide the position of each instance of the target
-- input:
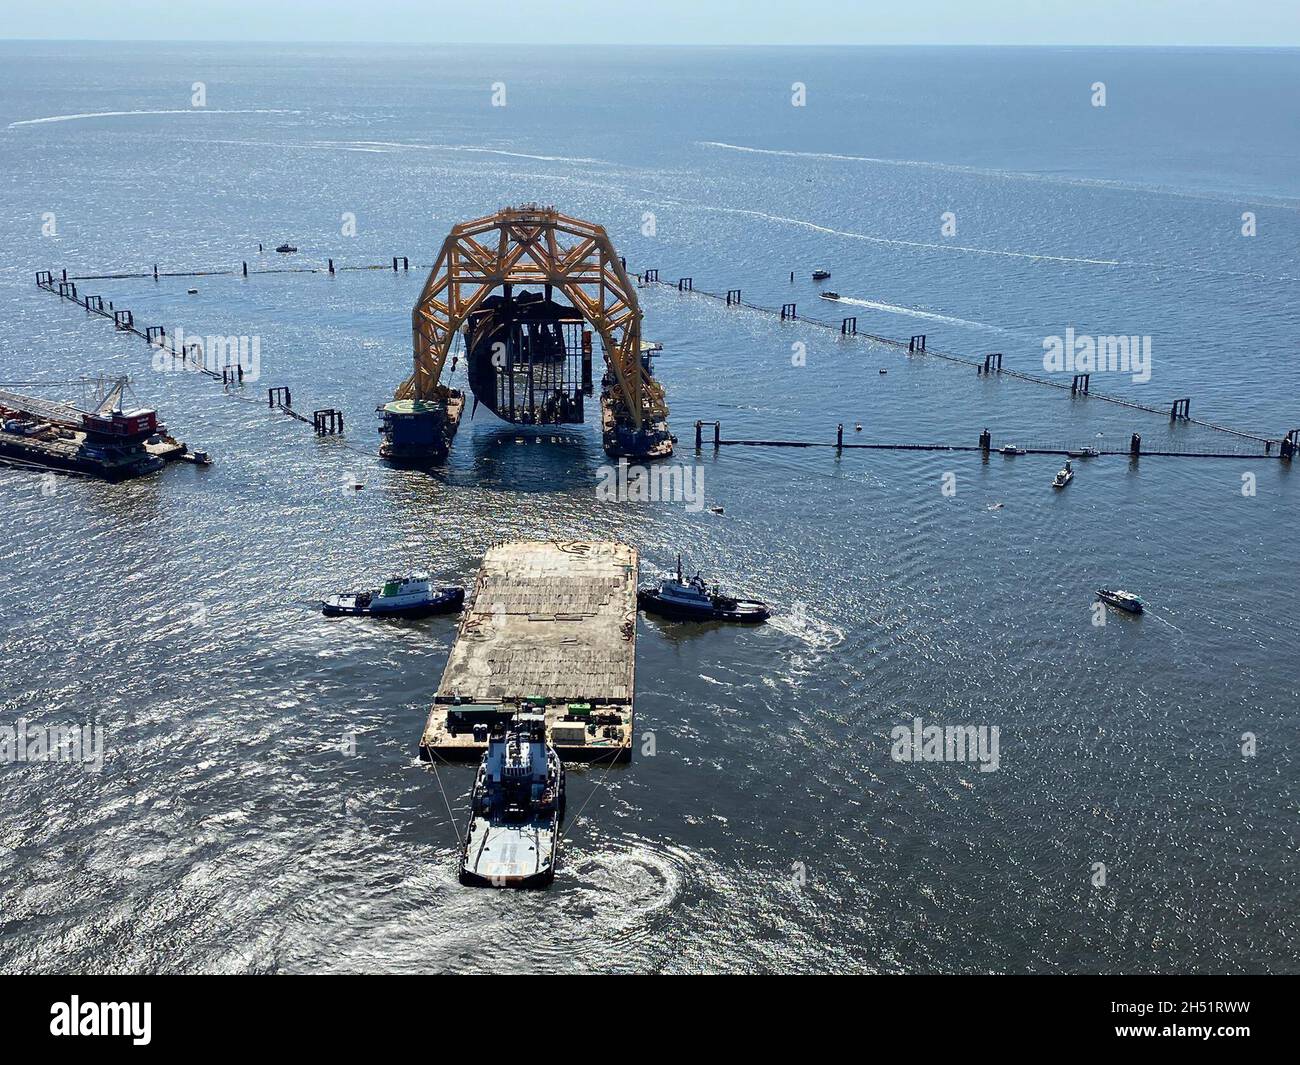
(691, 600)
(517, 806)
(400, 597)
(1063, 476)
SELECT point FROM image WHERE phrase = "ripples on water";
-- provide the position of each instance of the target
(230, 831)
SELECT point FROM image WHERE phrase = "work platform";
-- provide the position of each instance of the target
(552, 629)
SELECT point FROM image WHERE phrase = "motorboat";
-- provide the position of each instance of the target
(285, 249)
(692, 600)
(1090, 452)
(516, 807)
(1063, 476)
(1011, 449)
(400, 597)
(820, 274)
(830, 295)
(1121, 600)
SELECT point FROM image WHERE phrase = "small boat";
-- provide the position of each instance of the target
(198, 458)
(400, 597)
(1063, 476)
(285, 249)
(1090, 452)
(1121, 600)
(820, 274)
(691, 600)
(192, 291)
(830, 295)
(517, 805)
(1011, 449)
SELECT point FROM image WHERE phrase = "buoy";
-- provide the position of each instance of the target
(858, 427)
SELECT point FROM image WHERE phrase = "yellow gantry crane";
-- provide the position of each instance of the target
(534, 245)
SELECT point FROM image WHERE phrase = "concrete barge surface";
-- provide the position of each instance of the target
(552, 629)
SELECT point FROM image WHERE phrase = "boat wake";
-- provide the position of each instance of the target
(1164, 621)
(929, 316)
(966, 248)
(819, 635)
(628, 885)
(391, 146)
(1282, 203)
(174, 111)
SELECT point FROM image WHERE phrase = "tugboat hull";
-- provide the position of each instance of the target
(517, 805)
(745, 611)
(447, 601)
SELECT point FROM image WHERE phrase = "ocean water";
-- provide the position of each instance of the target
(260, 806)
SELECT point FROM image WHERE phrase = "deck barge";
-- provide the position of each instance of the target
(551, 629)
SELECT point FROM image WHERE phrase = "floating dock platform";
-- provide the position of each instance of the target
(551, 630)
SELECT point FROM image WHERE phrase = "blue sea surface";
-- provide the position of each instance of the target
(261, 806)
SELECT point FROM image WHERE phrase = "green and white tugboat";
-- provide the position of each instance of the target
(400, 597)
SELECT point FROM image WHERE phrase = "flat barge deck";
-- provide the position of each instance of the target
(551, 629)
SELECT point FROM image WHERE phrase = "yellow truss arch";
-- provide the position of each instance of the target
(532, 245)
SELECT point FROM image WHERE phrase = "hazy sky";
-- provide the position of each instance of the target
(1179, 22)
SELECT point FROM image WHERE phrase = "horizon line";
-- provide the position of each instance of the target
(1272, 47)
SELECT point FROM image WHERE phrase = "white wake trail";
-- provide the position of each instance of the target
(177, 111)
(907, 243)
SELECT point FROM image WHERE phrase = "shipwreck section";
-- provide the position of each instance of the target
(529, 358)
(551, 630)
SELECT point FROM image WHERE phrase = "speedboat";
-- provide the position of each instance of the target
(830, 295)
(820, 274)
(1063, 476)
(517, 805)
(1121, 600)
(692, 600)
(285, 249)
(1011, 449)
(400, 597)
